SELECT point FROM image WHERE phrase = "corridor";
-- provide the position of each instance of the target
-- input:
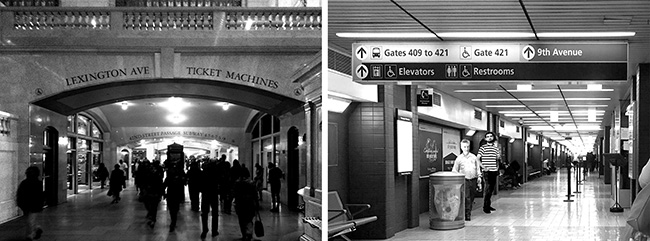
(90, 216)
(536, 211)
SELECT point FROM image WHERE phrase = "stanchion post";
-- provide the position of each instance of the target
(577, 178)
(568, 174)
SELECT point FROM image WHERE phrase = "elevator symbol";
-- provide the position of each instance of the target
(451, 71)
(465, 52)
(465, 71)
(377, 72)
(391, 71)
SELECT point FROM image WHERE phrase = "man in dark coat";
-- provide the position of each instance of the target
(30, 200)
(275, 174)
(102, 174)
(117, 182)
(209, 198)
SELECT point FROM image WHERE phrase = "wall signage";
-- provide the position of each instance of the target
(376, 62)
(109, 74)
(159, 134)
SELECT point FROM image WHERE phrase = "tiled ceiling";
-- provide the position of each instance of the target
(385, 16)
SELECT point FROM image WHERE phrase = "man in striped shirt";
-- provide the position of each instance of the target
(489, 155)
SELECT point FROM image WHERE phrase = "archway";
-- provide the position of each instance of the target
(77, 100)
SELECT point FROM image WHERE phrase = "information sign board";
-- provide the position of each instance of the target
(376, 62)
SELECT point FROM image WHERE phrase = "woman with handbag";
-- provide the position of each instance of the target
(246, 204)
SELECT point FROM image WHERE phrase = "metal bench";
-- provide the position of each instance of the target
(341, 220)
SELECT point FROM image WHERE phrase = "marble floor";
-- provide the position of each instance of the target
(90, 216)
(536, 211)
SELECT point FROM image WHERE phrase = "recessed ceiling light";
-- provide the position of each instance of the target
(175, 104)
(176, 118)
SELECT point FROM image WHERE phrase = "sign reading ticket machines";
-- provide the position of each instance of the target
(383, 62)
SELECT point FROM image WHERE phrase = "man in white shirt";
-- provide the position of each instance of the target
(467, 163)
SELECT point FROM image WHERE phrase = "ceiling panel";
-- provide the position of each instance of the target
(374, 16)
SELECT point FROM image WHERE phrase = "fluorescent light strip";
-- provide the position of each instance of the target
(565, 128)
(547, 111)
(486, 35)
(535, 90)
(540, 106)
(546, 99)
(584, 34)
(549, 114)
(386, 35)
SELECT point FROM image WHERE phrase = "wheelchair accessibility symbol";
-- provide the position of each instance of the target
(465, 71)
(391, 71)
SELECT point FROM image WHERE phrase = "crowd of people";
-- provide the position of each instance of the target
(213, 185)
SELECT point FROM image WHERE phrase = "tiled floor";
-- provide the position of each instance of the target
(537, 212)
(90, 216)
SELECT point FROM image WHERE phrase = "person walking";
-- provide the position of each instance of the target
(117, 182)
(124, 167)
(193, 184)
(152, 190)
(259, 171)
(30, 200)
(175, 184)
(209, 198)
(246, 204)
(225, 184)
(489, 156)
(275, 176)
(467, 164)
(102, 174)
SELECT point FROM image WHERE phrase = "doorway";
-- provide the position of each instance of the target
(50, 164)
(293, 168)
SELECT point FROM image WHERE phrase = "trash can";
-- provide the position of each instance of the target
(446, 200)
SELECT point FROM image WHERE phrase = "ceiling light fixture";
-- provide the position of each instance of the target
(175, 104)
(527, 87)
(176, 118)
(125, 105)
(475, 35)
(535, 90)
(542, 106)
(585, 34)
(546, 99)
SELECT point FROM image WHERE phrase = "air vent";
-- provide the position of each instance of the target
(478, 114)
(437, 99)
(502, 124)
(339, 62)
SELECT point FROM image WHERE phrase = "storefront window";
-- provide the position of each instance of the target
(82, 125)
(71, 123)
(96, 131)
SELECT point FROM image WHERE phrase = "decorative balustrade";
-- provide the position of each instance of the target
(40, 20)
(161, 19)
(247, 20)
(178, 3)
(29, 3)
